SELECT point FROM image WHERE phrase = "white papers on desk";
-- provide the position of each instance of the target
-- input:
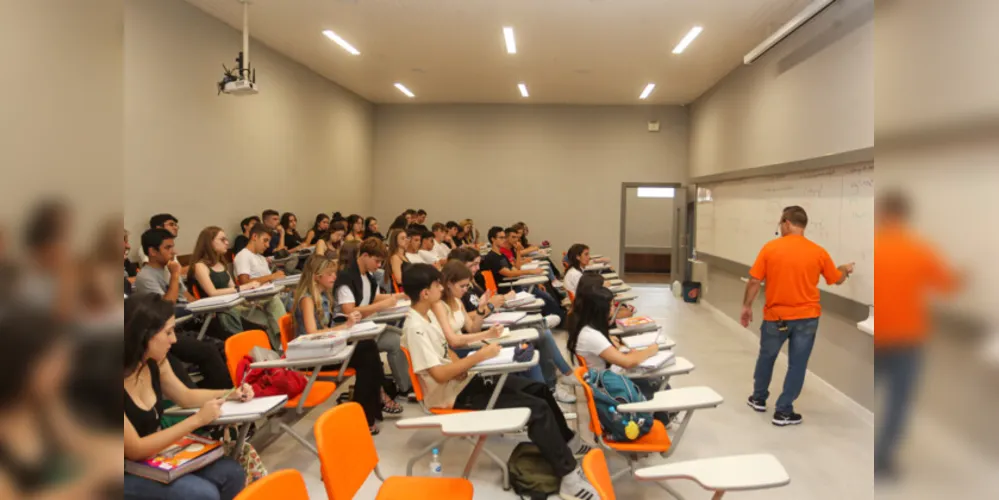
(521, 299)
(530, 266)
(504, 318)
(661, 359)
(504, 357)
(256, 406)
(401, 307)
(596, 267)
(317, 345)
(212, 302)
(288, 280)
(643, 339)
(264, 289)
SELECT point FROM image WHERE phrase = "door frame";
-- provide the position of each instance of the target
(624, 218)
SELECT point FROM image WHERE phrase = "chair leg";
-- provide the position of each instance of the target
(502, 465)
(678, 435)
(675, 494)
(428, 449)
(718, 494)
(297, 437)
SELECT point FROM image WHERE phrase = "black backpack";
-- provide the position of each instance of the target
(531, 475)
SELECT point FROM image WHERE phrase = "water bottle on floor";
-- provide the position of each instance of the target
(436, 470)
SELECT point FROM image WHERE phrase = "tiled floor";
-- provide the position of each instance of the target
(828, 457)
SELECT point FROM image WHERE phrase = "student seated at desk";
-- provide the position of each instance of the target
(446, 383)
(313, 312)
(501, 267)
(162, 221)
(371, 229)
(209, 277)
(480, 303)
(428, 250)
(518, 255)
(331, 244)
(589, 338)
(435, 247)
(251, 265)
(149, 379)
(356, 290)
(272, 221)
(355, 228)
(470, 235)
(246, 225)
(451, 237)
(415, 233)
(320, 230)
(398, 261)
(596, 280)
(293, 240)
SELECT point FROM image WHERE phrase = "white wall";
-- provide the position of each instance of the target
(649, 222)
(810, 96)
(61, 118)
(302, 144)
(558, 168)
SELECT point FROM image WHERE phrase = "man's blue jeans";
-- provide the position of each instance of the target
(899, 368)
(801, 337)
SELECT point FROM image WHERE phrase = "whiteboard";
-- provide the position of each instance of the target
(736, 218)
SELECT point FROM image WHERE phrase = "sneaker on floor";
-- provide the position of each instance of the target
(563, 395)
(557, 284)
(757, 404)
(576, 487)
(783, 418)
(568, 380)
(552, 321)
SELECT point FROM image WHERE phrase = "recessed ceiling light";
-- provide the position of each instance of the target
(523, 89)
(341, 42)
(511, 44)
(402, 88)
(648, 90)
(689, 37)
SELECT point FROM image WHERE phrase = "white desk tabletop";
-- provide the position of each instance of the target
(531, 280)
(683, 398)
(357, 337)
(625, 297)
(386, 318)
(306, 362)
(665, 343)
(514, 337)
(473, 423)
(608, 276)
(619, 288)
(288, 280)
(216, 307)
(257, 294)
(505, 367)
(530, 318)
(680, 366)
(531, 305)
(596, 267)
(734, 473)
(614, 282)
(231, 419)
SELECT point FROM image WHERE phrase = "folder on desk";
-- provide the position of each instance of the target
(661, 359)
(504, 318)
(521, 299)
(264, 289)
(211, 302)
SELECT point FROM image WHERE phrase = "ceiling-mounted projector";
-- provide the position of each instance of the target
(240, 80)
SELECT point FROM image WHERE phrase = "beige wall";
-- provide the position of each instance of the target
(649, 223)
(558, 168)
(811, 96)
(302, 144)
(61, 118)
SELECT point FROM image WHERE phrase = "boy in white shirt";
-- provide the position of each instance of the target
(444, 378)
(251, 265)
(415, 234)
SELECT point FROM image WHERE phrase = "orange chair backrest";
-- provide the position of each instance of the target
(595, 468)
(582, 362)
(240, 345)
(286, 485)
(490, 280)
(572, 296)
(347, 453)
(595, 426)
(413, 379)
(395, 286)
(284, 324)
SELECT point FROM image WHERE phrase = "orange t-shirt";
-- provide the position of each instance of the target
(791, 267)
(906, 270)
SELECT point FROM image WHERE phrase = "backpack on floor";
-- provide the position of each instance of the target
(610, 390)
(531, 476)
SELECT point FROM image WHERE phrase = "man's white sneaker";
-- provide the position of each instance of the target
(563, 395)
(576, 487)
(552, 321)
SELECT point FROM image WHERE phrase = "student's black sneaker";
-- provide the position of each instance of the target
(783, 418)
(757, 404)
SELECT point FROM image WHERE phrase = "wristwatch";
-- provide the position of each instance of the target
(491, 307)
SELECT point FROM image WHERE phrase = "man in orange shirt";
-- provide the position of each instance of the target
(907, 271)
(791, 266)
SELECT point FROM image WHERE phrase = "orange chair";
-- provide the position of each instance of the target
(315, 394)
(595, 468)
(490, 281)
(347, 456)
(418, 391)
(656, 441)
(284, 324)
(285, 484)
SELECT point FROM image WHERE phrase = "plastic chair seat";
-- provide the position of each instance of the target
(430, 488)
(318, 394)
(446, 411)
(333, 373)
(656, 441)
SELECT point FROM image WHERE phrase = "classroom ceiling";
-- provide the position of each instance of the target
(568, 51)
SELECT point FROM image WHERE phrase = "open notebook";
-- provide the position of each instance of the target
(505, 356)
(643, 339)
(255, 406)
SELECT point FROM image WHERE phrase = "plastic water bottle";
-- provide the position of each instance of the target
(436, 470)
